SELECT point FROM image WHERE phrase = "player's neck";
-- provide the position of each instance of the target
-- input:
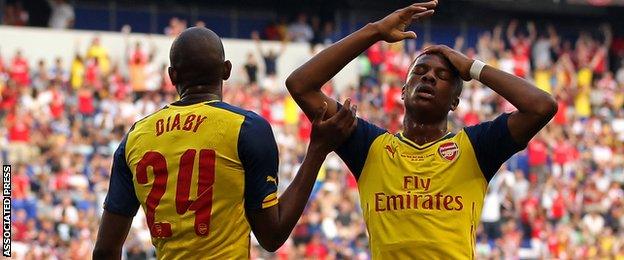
(422, 133)
(199, 93)
(193, 98)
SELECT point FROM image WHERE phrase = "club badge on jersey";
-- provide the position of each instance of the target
(449, 151)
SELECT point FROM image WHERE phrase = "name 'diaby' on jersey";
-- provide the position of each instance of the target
(191, 122)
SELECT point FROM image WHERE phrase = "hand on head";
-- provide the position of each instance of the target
(457, 59)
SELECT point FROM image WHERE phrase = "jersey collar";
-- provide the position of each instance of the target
(425, 145)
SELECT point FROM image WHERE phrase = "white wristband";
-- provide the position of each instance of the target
(475, 69)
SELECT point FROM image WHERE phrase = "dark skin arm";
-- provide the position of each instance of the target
(111, 236)
(535, 107)
(305, 83)
(273, 225)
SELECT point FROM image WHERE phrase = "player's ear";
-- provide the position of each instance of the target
(173, 75)
(455, 103)
(227, 69)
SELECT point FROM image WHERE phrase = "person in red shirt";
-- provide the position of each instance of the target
(471, 118)
(600, 59)
(552, 240)
(561, 117)
(538, 157)
(376, 57)
(19, 71)
(563, 155)
(316, 249)
(19, 225)
(86, 102)
(20, 183)
(538, 224)
(558, 209)
(392, 98)
(18, 123)
(521, 46)
(9, 96)
(92, 75)
(271, 32)
(528, 208)
(305, 127)
(57, 105)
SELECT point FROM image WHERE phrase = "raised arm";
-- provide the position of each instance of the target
(603, 51)
(511, 32)
(535, 107)
(273, 225)
(608, 35)
(283, 46)
(305, 83)
(256, 37)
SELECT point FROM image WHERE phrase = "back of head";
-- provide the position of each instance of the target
(197, 58)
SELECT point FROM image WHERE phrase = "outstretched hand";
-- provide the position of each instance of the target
(458, 60)
(392, 27)
(329, 134)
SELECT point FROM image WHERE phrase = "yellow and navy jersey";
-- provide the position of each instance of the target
(424, 201)
(195, 170)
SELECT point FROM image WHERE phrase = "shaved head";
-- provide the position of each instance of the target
(197, 58)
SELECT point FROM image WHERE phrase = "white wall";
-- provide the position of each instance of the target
(47, 44)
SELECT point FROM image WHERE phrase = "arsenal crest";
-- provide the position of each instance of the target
(449, 151)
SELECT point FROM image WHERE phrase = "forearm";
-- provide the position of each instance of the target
(322, 67)
(295, 198)
(523, 95)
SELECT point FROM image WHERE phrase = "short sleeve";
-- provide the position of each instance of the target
(493, 144)
(355, 149)
(257, 151)
(121, 198)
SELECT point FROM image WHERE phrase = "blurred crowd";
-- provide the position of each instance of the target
(562, 197)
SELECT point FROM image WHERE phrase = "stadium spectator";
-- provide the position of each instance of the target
(300, 30)
(62, 16)
(100, 55)
(19, 70)
(15, 15)
(251, 69)
(521, 46)
(200, 23)
(270, 62)
(176, 26)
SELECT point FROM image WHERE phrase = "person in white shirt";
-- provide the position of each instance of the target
(62, 16)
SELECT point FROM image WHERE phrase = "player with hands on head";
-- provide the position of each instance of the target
(422, 189)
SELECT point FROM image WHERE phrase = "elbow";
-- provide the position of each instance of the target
(293, 84)
(270, 246)
(549, 107)
(272, 242)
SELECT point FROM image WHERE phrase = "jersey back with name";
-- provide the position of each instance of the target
(190, 177)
